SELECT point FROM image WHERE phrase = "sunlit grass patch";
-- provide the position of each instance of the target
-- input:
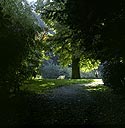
(42, 85)
(97, 88)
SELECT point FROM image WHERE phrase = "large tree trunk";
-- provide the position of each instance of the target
(75, 68)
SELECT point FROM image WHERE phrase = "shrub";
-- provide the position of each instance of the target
(53, 71)
(113, 74)
(66, 71)
(91, 74)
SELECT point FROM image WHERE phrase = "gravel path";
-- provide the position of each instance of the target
(66, 92)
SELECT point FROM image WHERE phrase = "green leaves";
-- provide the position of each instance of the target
(89, 64)
(19, 11)
(18, 48)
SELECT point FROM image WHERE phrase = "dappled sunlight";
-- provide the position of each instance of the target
(51, 83)
(43, 85)
(87, 81)
(96, 88)
(47, 84)
(95, 85)
(96, 82)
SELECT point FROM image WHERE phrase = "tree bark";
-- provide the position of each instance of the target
(75, 68)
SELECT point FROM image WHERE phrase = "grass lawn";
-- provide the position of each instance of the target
(43, 85)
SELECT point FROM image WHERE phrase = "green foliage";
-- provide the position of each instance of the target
(101, 24)
(94, 74)
(33, 60)
(52, 10)
(66, 42)
(18, 10)
(17, 42)
(88, 64)
(102, 27)
(113, 74)
(62, 45)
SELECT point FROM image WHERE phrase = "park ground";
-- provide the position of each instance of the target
(63, 102)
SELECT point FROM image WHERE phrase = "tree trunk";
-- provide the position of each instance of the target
(75, 68)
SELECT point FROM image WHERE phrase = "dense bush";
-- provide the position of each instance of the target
(66, 71)
(53, 71)
(16, 43)
(94, 74)
(113, 74)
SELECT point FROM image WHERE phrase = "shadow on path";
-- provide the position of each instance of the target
(88, 104)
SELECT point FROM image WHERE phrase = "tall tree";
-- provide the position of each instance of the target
(66, 41)
(102, 26)
(69, 53)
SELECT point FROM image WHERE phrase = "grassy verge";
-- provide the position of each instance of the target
(42, 85)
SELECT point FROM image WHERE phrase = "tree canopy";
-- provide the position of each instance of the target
(66, 42)
(101, 21)
(99, 25)
(86, 30)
